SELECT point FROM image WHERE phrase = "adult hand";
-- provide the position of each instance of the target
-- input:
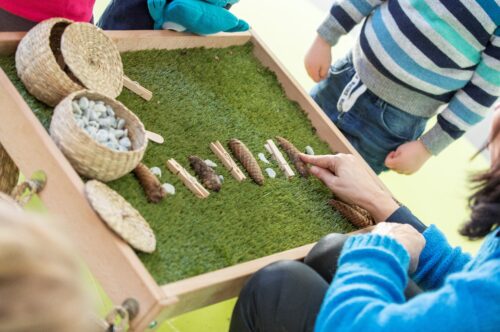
(318, 59)
(408, 157)
(348, 179)
(407, 236)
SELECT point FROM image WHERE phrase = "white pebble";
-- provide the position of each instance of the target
(263, 158)
(92, 131)
(120, 124)
(156, 171)
(91, 104)
(76, 108)
(210, 163)
(106, 122)
(169, 189)
(109, 111)
(93, 115)
(83, 103)
(271, 173)
(102, 136)
(221, 177)
(99, 108)
(309, 150)
(93, 124)
(118, 133)
(125, 142)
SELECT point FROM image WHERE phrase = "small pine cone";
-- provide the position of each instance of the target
(246, 158)
(357, 216)
(209, 179)
(150, 183)
(294, 156)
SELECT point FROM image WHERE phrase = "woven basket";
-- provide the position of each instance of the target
(9, 173)
(58, 57)
(90, 158)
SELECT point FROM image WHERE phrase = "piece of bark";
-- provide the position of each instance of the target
(294, 156)
(356, 215)
(150, 183)
(246, 158)
(209, 179)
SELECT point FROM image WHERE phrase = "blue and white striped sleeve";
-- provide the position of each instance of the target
(470, 104)
(345, 15)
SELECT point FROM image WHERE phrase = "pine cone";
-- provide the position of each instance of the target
(358, 216)
(209, 179)
(150, 183)
(247, 159)
(294, 156)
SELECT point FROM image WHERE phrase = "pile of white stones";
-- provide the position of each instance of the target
(100, 122)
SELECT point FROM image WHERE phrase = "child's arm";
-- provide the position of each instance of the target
(344, 15)
(470, 104)
(467, 107)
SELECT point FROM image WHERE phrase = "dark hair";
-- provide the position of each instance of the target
(484, 204)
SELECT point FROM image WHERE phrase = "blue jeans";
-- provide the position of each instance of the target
(373, 126)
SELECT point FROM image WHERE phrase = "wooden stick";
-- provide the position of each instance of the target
(154, 137)
(186, 178)
(278, 156)
(136, 88)
(228, 162)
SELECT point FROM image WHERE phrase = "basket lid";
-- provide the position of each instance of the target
(93, 58)
(120, 216)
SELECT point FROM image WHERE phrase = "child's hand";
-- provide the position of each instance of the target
(408, 158)
(318, 59)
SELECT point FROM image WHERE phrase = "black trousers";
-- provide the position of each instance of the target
(286, 296)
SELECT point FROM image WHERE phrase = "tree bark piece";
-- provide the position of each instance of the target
(358, 216)
(246, 158)
(150, 183)
(209, 179)
(294, 156)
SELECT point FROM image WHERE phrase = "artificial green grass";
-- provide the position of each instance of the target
(203, 95)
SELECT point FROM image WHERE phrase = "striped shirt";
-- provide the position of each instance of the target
(421, 54)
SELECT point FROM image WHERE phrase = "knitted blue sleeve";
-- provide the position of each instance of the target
(438, 259)
(367, 294)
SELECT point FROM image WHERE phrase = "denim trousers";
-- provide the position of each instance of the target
(373, 126)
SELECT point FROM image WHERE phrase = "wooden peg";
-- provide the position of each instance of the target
(278, 156)
(136, 88)
(189, 181)
(154, 137)
(228, 162)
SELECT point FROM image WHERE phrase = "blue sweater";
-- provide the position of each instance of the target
(367, 294)
(421, 54)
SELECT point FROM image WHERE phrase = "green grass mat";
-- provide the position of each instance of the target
(203, 95)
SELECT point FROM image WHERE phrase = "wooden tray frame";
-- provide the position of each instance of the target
(113, 262)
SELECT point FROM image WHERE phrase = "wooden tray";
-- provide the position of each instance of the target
(113, 262)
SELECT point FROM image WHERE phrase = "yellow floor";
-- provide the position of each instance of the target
(436, 194)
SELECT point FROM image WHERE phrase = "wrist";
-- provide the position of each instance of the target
(381, 207)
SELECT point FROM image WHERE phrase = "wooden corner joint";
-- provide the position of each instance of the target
(228, 162)
(189, 181)
(278, 157)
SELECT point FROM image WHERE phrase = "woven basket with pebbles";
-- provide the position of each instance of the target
(91, 157)
(120, 216)
(58, 57)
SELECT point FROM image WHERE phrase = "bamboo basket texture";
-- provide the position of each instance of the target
(90, 158)
(58, 57)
